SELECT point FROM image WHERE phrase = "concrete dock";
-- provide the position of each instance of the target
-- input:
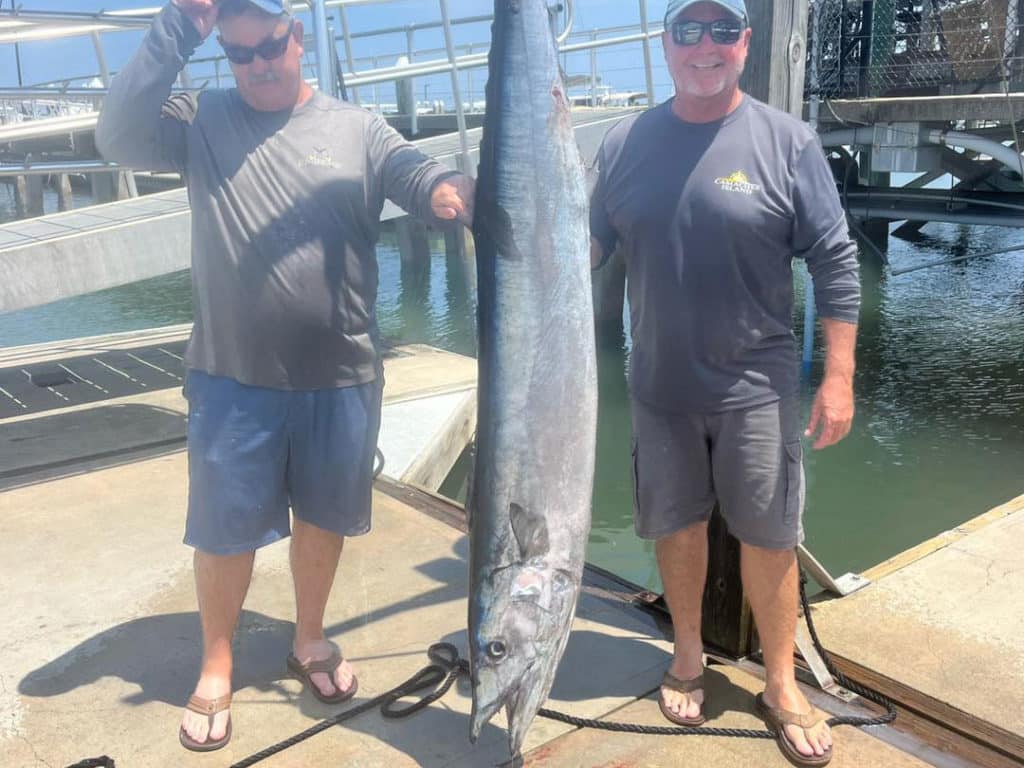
(941, 628)
(100, 643)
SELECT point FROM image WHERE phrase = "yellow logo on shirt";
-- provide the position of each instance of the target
(320, 156)
(737, 181)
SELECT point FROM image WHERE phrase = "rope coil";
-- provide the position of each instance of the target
(94, 762)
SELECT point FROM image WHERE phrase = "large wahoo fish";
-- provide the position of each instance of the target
(529, 504)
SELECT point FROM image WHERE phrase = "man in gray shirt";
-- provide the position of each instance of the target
(710, 196)
(286, 187)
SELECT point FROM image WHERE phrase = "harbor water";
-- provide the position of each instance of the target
(938, 437)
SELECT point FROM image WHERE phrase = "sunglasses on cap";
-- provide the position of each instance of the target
(269, 49)
(723, 31)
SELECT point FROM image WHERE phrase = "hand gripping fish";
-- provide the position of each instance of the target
(529, 503)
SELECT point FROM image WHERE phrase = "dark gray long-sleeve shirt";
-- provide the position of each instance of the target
(285, 215)
(710, 216)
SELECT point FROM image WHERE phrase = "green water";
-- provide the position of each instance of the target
(939, 432)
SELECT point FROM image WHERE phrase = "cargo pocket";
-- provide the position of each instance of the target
(794, 483)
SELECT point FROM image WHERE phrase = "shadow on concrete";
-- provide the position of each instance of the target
(161, 655)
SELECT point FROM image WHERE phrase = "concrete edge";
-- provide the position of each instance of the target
(943, 540)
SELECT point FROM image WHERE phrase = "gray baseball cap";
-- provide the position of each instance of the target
(735, 7)
(276, 7)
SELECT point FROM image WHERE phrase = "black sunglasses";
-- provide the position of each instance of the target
(723, 31)
(269, 49)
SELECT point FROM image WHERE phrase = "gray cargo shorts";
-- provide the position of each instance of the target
(750, 461)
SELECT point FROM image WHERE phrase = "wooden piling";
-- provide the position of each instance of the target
(63, 185)
(413, 241)
(460, 271)
(876, 230)
(414, 274)
(458, 242)
(108, 187)
(727, 620)
(774, 72)
(28, 196)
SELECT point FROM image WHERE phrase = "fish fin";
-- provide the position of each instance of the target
(531, 532)
(493, 223)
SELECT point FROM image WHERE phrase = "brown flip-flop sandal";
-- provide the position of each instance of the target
(304, 673)
(673, 683)
(208, 707)
(775, 719)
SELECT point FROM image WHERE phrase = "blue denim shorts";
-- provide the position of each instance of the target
(255, 452)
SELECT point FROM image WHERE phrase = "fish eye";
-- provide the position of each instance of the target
(496, 650)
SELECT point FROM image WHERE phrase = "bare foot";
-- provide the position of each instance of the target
(317, 651)
(198, 726)
(814, 741)
(681, 704)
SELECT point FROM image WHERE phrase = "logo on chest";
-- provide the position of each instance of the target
(320, 156)
(737, 181)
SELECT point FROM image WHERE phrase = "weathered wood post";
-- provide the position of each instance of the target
(774, 74)
(460, 271)
(108, 186)
(876, 230)
(117, 185)
(405, 99)
(413, 241)
(878, 25)
(28, 196)
(775, 67)
(63, 185)
(414, 251)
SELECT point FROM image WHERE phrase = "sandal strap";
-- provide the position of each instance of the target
(801, 720)
(327, 665)
(673, 683)
(202, 706)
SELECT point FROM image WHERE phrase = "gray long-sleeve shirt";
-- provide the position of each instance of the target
(710, 216)
(285, 215)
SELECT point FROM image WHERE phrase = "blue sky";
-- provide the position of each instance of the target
(621, 66)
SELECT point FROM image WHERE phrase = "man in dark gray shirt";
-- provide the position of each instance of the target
(286, 187)
(710, 196)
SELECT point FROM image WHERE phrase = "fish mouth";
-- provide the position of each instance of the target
(519, 719)
(519, 708)
(488, 698)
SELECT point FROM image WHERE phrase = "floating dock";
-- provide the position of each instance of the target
(941, 630)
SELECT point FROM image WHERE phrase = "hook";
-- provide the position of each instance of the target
(569, 7)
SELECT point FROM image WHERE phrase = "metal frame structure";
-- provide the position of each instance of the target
(23, 25)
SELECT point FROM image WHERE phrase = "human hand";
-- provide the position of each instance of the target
(202, 14)
(453, 199)
(832, 411)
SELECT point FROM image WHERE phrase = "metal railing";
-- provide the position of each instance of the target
(133, 19)
(326, 72)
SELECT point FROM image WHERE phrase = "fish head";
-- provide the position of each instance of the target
(524, 614)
